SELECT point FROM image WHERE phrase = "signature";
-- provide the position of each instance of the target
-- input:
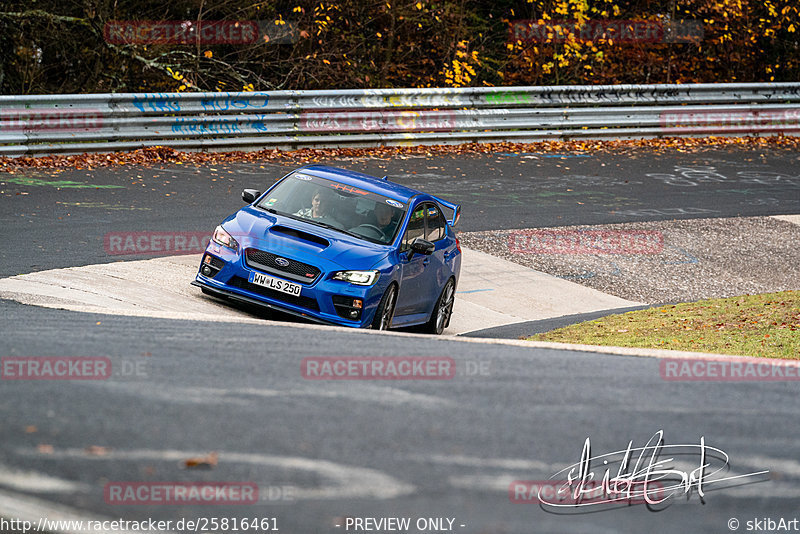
(642, 475)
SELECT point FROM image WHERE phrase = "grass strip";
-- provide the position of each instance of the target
(766, 325)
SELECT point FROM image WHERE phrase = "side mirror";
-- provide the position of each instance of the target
(421, 246)
(250, 195)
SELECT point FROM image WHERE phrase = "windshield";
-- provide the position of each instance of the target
(354, 211)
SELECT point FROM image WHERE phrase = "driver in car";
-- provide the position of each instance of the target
(383, 218)
(318, 209)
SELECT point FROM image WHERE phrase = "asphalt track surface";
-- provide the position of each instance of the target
(435, 448)
(51, 220)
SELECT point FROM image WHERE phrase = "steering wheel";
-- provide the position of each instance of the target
(373, 227)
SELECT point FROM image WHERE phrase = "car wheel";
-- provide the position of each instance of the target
(440, 316)
(385, 311)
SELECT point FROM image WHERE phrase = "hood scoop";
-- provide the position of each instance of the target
(300, 235)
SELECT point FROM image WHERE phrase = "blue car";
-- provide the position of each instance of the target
(339, 247)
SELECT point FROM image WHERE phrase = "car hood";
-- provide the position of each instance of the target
(301, 241)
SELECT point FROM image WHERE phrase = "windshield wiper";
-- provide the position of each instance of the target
(276, 212)
(332, 227)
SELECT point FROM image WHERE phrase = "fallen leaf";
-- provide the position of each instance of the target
(202, 462)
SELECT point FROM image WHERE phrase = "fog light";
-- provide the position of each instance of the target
(347, 307)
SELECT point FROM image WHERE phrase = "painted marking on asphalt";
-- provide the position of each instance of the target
(343, 481)
(34, 482)
(62, 184)
(33, 510)
(476, 461)
(389, 395)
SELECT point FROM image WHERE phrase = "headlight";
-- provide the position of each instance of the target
(359, 278)
(221, 237)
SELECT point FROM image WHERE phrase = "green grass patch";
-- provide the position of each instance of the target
(765, 325)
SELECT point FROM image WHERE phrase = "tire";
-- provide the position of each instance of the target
(440, 316)
(385, 312)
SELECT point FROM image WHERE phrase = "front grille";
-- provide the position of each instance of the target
(304, 302)
(265, 261)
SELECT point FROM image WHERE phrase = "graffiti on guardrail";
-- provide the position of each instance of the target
(412, 100)
(600, 94)
(171, 103)
(163, 102)
(236, 102)
(390, 116)
(192, 125)
(400, 120)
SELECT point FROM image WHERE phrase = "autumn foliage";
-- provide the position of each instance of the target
(160, 155)
(51, 46)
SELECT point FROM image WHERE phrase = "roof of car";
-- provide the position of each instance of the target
(353, 178)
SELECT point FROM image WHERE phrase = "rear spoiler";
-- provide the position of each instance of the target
(455, 207)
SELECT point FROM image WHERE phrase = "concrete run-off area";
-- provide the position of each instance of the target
(492, 292)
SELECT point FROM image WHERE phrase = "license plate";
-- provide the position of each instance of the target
(290, 288)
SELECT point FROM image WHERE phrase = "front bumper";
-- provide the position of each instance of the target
(230, 274)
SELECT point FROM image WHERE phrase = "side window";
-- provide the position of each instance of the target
(436, 225)
(416, 227)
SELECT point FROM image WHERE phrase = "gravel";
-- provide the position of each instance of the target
(661, 261)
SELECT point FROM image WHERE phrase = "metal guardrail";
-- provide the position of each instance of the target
(47, 124)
